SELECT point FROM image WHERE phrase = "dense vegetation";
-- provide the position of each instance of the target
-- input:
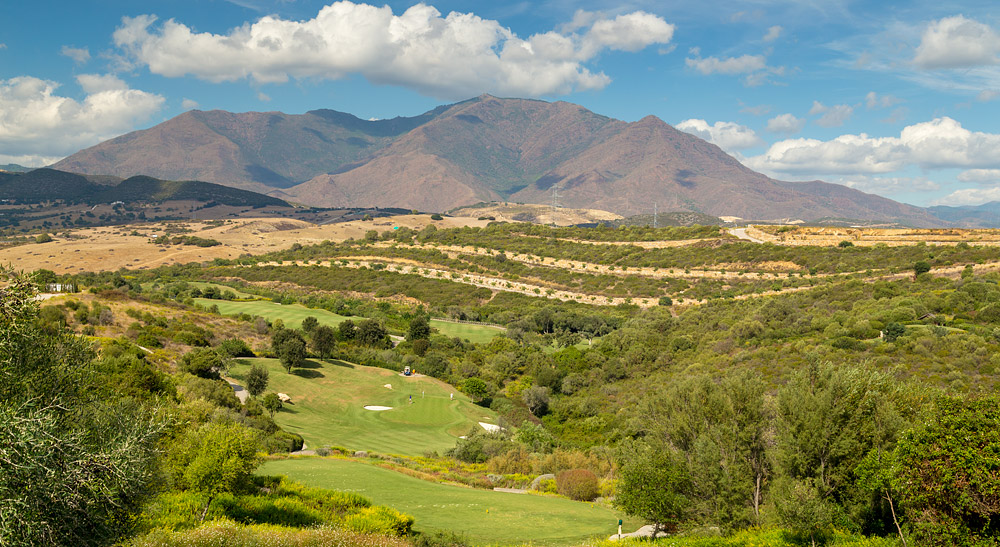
(855, 410)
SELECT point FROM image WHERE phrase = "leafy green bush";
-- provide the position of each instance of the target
(232, 534)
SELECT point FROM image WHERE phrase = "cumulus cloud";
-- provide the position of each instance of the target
(452, 56)
(38, 126)
(189, 104)
(785, 123)
(726, 135)
(970, 196)
(955, 42)
(832, 116)
(80, 55)
(937, 144)
(982, 176)
(874, 100)
(773, 33)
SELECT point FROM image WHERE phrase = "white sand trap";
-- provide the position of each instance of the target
(490, 427)
(388, 386)
(377, 407)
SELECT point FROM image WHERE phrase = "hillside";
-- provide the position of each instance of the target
(50, 184)
(483, 149)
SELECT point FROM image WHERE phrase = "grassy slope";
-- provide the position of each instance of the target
(486, 516)
(293, 314)
(329, 399)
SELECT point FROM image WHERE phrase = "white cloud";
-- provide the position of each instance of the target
(264, 97)
(785, 123)
(982, 176)
(955, 42)
(99, 83)
(889, 185)
(970, 196)
(743, 64)
(754, 66)
(453, 56)
(726, 135)
(189, 104)
(38, 124)
(773, 33)
(80, 55)
(832, 116)
(3, 46)
(873, 100)
(937, 144)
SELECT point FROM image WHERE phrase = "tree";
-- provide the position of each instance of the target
(309, 324)
(202, 362)
(43, 238)
(920, 267)
(893, 331)
(946, 472)
(537, 399)
(256, 380)
(420, 328)
(371, 333)
(290, 348)
(324, 341)
(829, 419)
(651, 485)
(347, 330)
(475, 388)
(272, 403)
(76, 460)
(214, 459)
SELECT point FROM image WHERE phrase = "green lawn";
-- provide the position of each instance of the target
(329, 399)
(293, 314)
(487, 517)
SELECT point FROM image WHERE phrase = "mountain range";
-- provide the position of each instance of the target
(482, 149)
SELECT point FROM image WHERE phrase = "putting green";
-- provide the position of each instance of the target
(329, 399)
(484, 515)
(293, 314)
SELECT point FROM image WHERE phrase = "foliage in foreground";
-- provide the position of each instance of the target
(226, 533)
(276, 501)
(751, 538)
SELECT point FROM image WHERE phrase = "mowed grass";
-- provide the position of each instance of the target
(293, 314)
(487, 517)
(329, 399)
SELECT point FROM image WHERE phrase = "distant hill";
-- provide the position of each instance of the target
(986, 215)
(483, 149)
(50, 184)
(14, 168)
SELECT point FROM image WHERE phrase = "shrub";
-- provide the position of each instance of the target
(437, 216)
(43, 238)
(379, 519)
(235, 347)
(578, 484)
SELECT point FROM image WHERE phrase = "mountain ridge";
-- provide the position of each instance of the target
(481, 149)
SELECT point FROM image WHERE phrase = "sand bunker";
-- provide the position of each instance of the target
(490, 427)
(377, 407)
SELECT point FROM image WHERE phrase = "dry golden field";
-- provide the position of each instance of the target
(113, 247)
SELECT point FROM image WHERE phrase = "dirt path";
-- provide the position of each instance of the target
(742, 234)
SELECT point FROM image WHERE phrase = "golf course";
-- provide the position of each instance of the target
(293, 314)
(329, 399)
(485, 516)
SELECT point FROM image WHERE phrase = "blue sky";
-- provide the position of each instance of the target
(901, 99)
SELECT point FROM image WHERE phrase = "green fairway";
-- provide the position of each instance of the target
(479, 334)
(293, 314)
(487, 517)
(329, 399)
(290, 314)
